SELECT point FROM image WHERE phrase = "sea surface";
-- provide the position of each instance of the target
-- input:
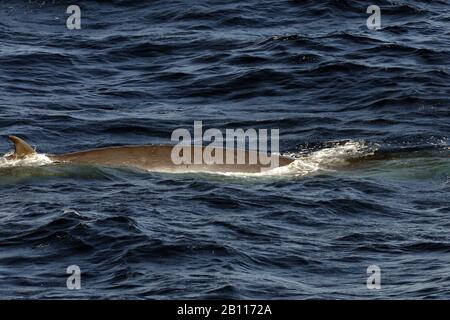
(365, 113)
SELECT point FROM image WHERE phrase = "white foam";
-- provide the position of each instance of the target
(327, 159)
(34, 160)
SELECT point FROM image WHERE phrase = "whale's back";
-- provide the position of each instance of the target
(159, 158)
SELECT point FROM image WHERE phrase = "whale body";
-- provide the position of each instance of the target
(148, 157)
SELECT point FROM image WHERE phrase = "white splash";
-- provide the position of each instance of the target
(327, 159)
(34, 160)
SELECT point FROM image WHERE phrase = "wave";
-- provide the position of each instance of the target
(429, 160)
(323, 160)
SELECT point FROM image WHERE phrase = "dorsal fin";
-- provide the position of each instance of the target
(23, 149)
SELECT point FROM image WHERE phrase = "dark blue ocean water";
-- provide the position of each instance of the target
(137, 70)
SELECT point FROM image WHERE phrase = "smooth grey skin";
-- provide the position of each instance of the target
(150, 158)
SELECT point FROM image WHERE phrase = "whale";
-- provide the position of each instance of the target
(151, 158)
